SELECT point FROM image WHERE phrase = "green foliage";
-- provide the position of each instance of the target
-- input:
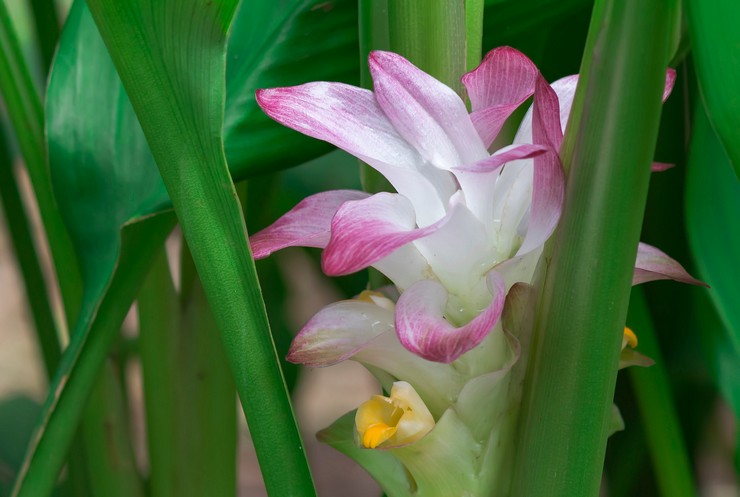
(715, 41)
(106, 212)
(714, 234)
(583, 301)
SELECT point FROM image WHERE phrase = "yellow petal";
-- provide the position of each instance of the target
(629, 338)
(400, 419)
(376, 434)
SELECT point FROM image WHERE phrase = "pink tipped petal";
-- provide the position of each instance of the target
(504, 80)
(546, 128)
(343, 115)
(427, 113)
(366, 231)
(548, 183)
(364, 332)
(565, 89)
(505, 76)
(658, 167)
(423, 329)
(501, 157)
(478, 180)
(339, 331)
(652, 264)
(670, 80)
(489, 121)
(305, 225)
(350, 118)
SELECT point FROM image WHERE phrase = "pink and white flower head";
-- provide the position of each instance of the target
(465, 224)
(464, 227)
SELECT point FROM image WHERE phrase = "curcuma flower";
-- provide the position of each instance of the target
(465, 228)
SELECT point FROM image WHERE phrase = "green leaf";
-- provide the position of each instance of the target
(712, 205)
(388, 471)
(26, 114)
(609, 145)
(99, 193)
(104, 174)
(715, 45)
(89, 344)
(46, 21)
(16, 427)
(268, 47)
(504, 20)
(171, 59)
(34, 283)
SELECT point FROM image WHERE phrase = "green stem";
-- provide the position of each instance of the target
(46, 20)
(33, 278)
(583, 301)
(27, 116)
(373, 36)
(159, 322)
(473, 33)
(107, 439)
(655, 401)
(189, 391)
(431, 34)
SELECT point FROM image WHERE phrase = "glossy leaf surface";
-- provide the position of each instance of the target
(715, 45)
(712, 206)
(171, 59)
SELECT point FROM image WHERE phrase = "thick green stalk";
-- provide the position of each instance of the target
(107, 438)
(171, 59)
(27, 116)
(189, 391)
(431, 34)
(159, 323)
(583, 303)
(473, 33)
(441, 37)
(657, 408)
(46, 19)
(28, 261)
(374, 35)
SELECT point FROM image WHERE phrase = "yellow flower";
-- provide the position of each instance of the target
(629, 338)
(393, 421)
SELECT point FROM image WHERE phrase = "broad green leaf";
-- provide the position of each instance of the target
(99, 193)
(712, 206)
(283, 43)
(583, 300)
(171, 59)
(715, 45)
(505, 19)
(89, 345)
(103, 172)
